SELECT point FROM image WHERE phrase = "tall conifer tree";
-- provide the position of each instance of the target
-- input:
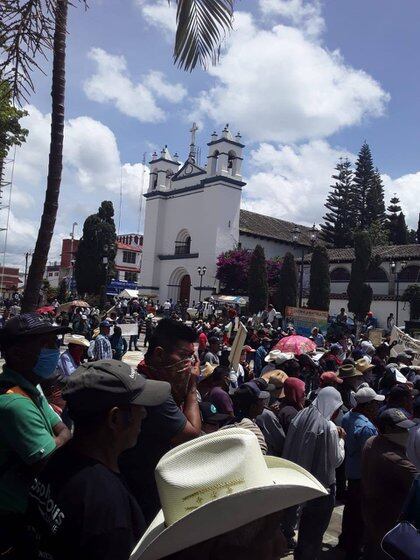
(375, 202)
(401, 230)
(393, 210)
(340, 219)
(418, 230)
(319, 283)
(287, 290)
(363, 180)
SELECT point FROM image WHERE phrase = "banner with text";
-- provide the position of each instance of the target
(404, 342)
(304, 320)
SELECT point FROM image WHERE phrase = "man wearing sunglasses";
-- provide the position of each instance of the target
(170, 357)
(29, 429)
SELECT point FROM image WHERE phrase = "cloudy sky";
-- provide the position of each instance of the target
(305, 82)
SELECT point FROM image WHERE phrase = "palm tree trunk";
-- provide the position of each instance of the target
(55, 163)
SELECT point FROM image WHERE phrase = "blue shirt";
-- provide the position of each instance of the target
(259, 363)
(358, 429)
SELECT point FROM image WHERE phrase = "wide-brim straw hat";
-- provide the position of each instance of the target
(278, 357)
(78, 339)
(276, 377)
(348, 370)
(364, 364)
(216, 483)
(207, 369)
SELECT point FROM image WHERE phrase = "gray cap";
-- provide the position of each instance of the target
(97, 386)
(394, 418)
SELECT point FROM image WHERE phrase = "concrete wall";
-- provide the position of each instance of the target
(380, 310)
(272, 248)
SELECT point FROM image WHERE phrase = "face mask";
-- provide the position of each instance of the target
(47, 362)
(399, 439)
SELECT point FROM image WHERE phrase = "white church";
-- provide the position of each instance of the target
(193, 214)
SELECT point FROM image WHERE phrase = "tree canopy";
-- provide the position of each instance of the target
(319, 284)
(360, 293)
(286, 294)
(98, 242)
(257, 281)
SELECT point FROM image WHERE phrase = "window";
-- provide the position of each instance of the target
(55, 273)
(377, 275)
(410, 273)
(130, 276)
(50, 274)
(129, 257)
(340, 275)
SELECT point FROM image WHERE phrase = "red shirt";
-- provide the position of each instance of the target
(202, 341)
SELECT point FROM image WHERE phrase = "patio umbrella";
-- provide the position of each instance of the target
(296, 344)
(75, 303)
(46, 309)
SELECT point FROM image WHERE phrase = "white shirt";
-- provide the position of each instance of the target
(271, 315)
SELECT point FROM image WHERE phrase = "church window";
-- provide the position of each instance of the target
(232, 162)
(340, 275)
(129, 257)
(183, 243)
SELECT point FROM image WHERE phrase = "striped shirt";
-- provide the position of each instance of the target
(102, 348)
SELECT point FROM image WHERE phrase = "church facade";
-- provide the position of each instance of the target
(193, 214)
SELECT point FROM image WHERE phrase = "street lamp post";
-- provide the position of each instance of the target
(295, 236)
(201, 272)
(397, 273)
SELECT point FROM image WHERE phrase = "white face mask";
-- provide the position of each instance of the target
(399, 438)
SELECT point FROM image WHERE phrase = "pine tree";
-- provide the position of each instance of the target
(363, 179)
(401, 230)
(393, 210)
(378, 233)
(287, 290)
(62, 291)
(340, 220)
(257, 281)
(98, 241)
(418, 230)
(375, 202)
(360, 293)
(319, 284)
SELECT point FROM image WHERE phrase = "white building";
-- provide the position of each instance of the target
(128, 257)
(193, 215)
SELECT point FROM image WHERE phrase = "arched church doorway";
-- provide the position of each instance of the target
(185, 288)
(179, 285)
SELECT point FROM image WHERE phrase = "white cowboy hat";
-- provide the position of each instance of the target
(217, 483)
(78, 339)
(278, 357)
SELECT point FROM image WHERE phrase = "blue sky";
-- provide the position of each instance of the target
(305, 81)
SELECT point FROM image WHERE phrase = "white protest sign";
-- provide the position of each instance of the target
(404, 342)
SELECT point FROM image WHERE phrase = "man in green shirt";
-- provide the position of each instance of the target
(29, 429)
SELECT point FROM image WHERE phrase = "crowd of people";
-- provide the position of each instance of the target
(199, 454)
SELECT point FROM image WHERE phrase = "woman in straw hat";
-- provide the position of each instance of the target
(220, 500)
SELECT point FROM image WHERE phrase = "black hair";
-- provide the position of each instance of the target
(168, 333)
(291, 367)
(243, 399)
(219, 373)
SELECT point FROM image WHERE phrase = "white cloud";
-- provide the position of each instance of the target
(305, 14)
(159, 14)
(92, 172)
(292, 182)
(111, 83)
(407, 189)
(279, 86)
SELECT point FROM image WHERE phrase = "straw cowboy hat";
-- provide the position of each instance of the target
(348, 370)
(207, 369)
(217, 483)
(276, 377)
(278, 357)
(78, 339)
(364, 364)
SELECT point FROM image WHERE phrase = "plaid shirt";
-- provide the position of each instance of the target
(102, 349)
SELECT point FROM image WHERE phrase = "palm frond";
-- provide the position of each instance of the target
(202, 26)
(26, 36)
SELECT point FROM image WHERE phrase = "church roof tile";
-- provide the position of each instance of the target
(259, 225)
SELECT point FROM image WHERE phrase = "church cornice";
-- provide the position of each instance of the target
(224, 178)
(220, 140)
(204, 183)
(165, 160)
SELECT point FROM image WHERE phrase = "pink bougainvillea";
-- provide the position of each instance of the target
(232, 271)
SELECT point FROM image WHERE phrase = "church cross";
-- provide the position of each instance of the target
(193, 131)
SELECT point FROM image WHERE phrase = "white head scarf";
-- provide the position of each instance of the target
(328, 401)
(413, 446)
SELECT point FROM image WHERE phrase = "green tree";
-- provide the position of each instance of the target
(363, 178)
(288, 284)
(340, 219)
(62, 291)
(98, 242)
(360, 293)
(257, 281)
(393, 211)
(11, 132)
(375, 201)
(418, 231)
(378, 233)
(412, 295)
(319, 283)
(401, 230)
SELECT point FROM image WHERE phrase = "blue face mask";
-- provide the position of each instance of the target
(47, 362)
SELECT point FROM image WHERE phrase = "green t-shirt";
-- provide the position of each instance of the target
(26, 437)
